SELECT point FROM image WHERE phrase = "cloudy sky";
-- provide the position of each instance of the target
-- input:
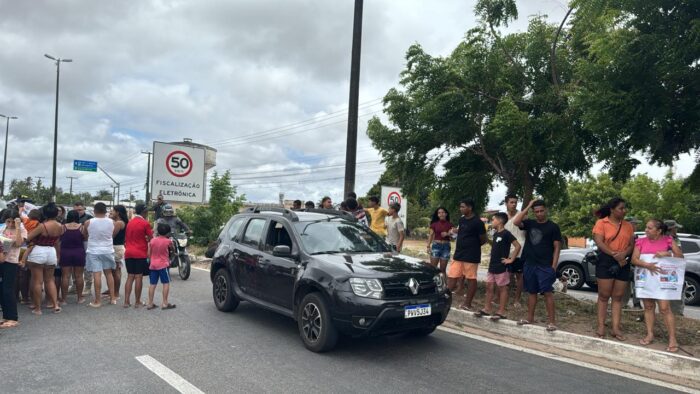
(263, 82)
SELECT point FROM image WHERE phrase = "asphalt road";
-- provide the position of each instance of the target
(83, 350)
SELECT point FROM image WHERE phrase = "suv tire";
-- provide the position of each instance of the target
(576, 275)
(222, 291)
(692, 290)
(315, 324)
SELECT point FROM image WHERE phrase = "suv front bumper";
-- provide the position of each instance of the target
(359, 316)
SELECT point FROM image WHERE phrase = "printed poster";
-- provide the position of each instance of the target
(665, 285)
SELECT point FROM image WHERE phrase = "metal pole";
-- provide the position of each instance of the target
(148, 178)
(351, 148)
(70, 189)
(4, 158)
(55, 134)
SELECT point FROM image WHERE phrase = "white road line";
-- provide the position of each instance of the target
(201, 269)
(170, 377)
(572, 361)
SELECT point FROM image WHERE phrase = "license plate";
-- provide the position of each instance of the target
(417, 311)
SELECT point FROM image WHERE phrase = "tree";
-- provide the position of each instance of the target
(487, 112)
(103, 195)
(576, 217)
(638, 76)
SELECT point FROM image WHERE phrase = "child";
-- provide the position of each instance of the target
(395, 230)
(159, 253)
(498, 275)
(30, 223)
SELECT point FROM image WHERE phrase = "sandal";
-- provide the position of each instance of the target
(551, 327)
(619, 337)
(81, 300)
(466, 308)
(672, 349)
(151, 307)
(9, 324)
(139, 304)
(36, 312)
(599, 335)
(497, 317)
(57, 309)
(645, 342)
(169, 306)
(126, 306)
(93, 305)
(482, 313)
(523, 322)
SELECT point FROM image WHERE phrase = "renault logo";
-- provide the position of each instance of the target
(413, 285)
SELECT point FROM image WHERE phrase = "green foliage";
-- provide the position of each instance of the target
(206, 221)
(585, 196)
(41, 194)
(488, 112)
(639, 78)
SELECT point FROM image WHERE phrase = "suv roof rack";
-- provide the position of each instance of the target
(333, 212)
(284, 211)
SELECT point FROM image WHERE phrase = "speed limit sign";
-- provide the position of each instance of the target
(394, 198)
(179, 163)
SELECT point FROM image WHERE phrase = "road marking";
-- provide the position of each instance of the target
(201, 269)
(572, 361)
(170, 377)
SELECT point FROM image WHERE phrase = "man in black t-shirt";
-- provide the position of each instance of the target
(541, 254)
(471, 234)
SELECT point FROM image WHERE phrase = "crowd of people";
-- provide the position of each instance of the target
(48, 254)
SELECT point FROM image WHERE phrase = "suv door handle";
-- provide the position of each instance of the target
(235, 255)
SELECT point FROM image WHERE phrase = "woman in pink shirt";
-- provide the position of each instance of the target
(659, 244)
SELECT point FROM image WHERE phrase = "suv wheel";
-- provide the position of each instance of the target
(222, 290)
(575, 274)
(315, 324)
(692, 291)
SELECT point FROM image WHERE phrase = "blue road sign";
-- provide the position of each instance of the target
(82, 165)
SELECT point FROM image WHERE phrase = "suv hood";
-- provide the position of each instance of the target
(373, 263)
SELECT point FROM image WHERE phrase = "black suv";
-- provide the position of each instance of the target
(328, 272)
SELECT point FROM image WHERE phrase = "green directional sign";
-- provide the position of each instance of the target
(82, 165)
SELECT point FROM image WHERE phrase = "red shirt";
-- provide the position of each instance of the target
(160, 253)
(439, 227)
(135, 241)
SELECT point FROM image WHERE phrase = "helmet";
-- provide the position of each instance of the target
(168, 210)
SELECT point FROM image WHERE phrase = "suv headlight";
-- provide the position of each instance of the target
(370, 288)
(439, 280)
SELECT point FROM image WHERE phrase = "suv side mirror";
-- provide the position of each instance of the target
(282, 251)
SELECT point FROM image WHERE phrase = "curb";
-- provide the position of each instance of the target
(639, 357)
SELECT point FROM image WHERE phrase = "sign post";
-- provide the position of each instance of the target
(179, 173)
(391, 195)
(83, 165)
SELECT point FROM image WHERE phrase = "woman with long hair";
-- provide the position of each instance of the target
(614, 237)
(439, 239)
(72, 255)
(121, 218)
(42, 259)
(14, 232)
(658, 244)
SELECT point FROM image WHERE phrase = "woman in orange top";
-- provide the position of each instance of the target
(615, 240)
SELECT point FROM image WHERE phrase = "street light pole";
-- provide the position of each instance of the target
(55, 126)
(148, 178)
(4, 158)
(351, 148)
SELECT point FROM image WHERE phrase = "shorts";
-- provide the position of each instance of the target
(459, 269)
(161, 274)
(440, 250)
(119, 254)
(137, 266)
(516, 267)
(99, 262)
(502, 279)
(538, 279)
(602, 269)
(43, 255)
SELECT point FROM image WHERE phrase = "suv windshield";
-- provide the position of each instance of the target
(329, 236)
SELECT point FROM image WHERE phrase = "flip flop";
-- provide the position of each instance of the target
(497, 317)
(169, 306)
(672, 349)
(523, 322)
(81, 300)
(9, 324)
(482, 313)
(126, 306)
(600, 336)
(138, 305)
(57, 310)
(619, 337)
(645, 342)
(466, 308)
(151, 307)
(551, 327)
(93, 305)
(35, 312)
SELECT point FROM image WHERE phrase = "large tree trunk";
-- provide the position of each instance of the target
(528, 190)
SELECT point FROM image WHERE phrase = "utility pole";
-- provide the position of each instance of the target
(55, 125)
(70, 189)
(4, 158)
(113, 187)
(351, 148)
(148, 178)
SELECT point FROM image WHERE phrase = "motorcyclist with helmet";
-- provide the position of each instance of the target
(170, 218)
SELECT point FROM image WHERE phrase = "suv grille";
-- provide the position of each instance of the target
(399, 289)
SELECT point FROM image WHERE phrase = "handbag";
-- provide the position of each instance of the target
(615, 267)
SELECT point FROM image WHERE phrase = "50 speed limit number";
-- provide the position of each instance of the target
(179, 163)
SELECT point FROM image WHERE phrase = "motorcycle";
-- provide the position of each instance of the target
(180, 258)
